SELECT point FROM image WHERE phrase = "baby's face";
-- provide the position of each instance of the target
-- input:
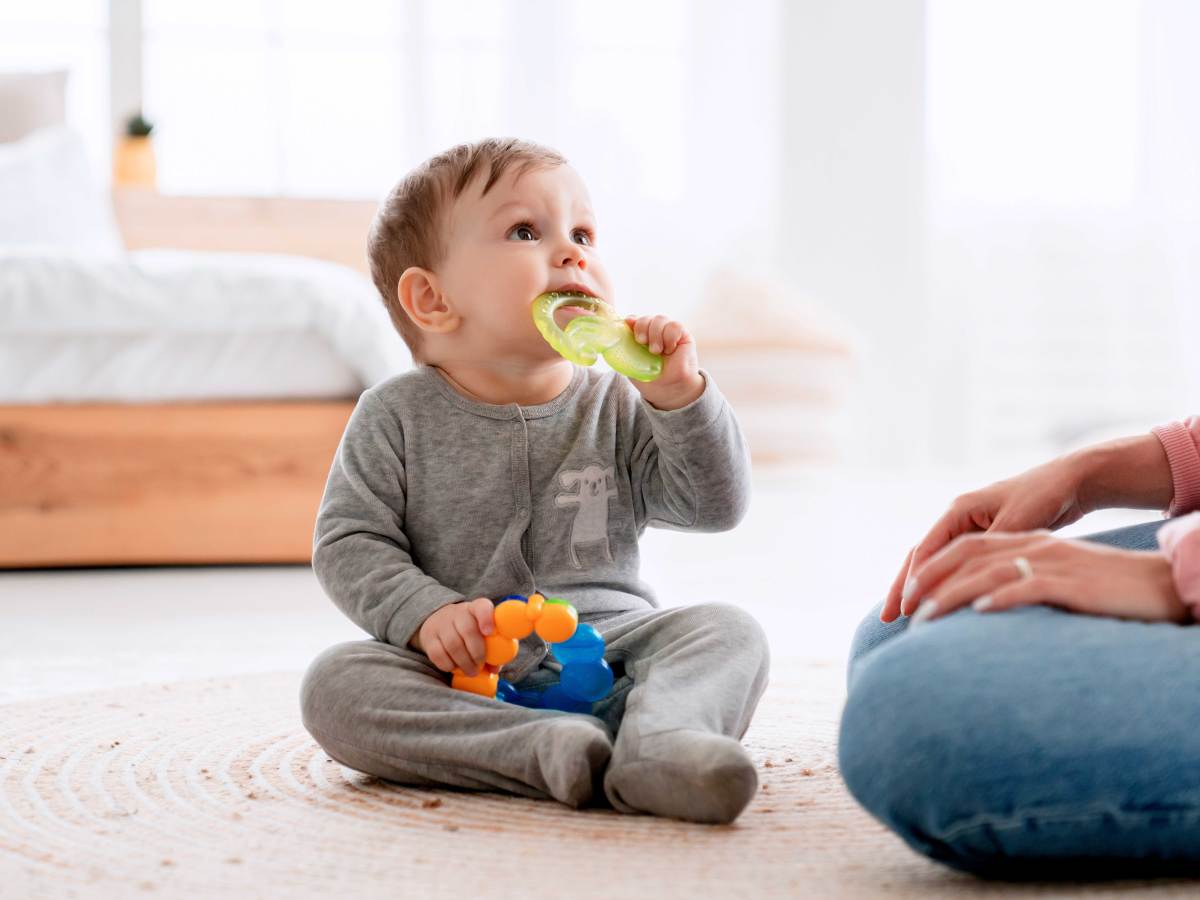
(528, 235)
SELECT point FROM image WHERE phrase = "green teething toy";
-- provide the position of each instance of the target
(587, 337)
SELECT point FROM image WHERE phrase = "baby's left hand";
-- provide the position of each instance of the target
(681, 382)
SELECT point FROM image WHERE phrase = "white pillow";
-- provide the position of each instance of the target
(29, 101)
(48, 199)
(170, 325)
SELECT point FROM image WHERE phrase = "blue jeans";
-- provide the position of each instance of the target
(1031, 743)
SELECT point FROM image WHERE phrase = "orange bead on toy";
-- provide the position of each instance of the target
(554, 620)
(484, 683)
(557, 622)
(511, 620)
(500, 649)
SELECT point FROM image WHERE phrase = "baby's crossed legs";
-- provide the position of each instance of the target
(692, 678)
(388, 711)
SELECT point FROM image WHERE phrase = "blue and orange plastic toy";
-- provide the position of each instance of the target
(585, 676)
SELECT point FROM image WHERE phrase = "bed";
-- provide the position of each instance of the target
(135, 431)
(182, 405)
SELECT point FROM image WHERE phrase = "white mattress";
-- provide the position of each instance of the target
(166, 325)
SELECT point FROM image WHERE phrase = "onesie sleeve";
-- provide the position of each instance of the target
(1181, 441)
(689, 467)
(361, 555)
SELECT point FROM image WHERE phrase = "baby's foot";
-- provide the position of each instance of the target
(572, 753)
(696, 776)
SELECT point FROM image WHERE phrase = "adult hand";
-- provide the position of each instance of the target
(1043, 497)
(986, 570)
(452, 637)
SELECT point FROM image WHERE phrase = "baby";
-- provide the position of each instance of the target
(497, 467)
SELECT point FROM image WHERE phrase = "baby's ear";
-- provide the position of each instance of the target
(421, 296)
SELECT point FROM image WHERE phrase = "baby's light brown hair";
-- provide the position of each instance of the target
(410, 226)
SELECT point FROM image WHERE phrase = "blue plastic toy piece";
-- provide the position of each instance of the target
(585, 676)
(556, 697)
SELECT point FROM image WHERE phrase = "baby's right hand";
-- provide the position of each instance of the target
(453, 636)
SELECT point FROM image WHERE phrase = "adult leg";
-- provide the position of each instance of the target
(695, 675)
(387, 711)
(1032, 742)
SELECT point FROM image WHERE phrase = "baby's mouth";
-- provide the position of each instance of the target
(565, 314)
(581, 304)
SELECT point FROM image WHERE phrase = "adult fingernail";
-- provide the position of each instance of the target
(984, 602)
(910, 588)
(927, 609)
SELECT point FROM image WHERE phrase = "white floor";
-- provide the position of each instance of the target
(818, 548)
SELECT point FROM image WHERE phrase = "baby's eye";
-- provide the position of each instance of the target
(583, 236)
(522, 232)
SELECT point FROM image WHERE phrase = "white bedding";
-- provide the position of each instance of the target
(166, 325)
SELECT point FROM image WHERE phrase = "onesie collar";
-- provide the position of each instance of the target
(506, 410)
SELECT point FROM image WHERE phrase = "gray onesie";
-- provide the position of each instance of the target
(434, 498)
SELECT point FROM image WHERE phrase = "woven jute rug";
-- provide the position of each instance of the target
(213, 788)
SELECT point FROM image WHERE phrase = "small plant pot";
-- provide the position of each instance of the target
(133, 163)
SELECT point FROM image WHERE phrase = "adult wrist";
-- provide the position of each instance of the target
(1130, 472)
(1088, 470)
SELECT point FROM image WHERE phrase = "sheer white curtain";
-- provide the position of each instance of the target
(669, 109)
(1062, 216)
(70, 35)
(1171, 70)
(1003, 197)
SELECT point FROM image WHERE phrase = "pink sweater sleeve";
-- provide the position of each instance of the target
(1181, 440)
(1180, 543)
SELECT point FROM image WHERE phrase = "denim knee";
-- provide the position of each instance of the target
(1028, 738)
(917, 746)
(870, 634)
(885, 739)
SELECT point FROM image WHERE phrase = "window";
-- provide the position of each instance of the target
(272, 97)
(72, 35)
(1034, 102)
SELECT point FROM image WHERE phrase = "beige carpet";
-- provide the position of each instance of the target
(213, 788)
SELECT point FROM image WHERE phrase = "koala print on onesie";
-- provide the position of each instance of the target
(588, 490)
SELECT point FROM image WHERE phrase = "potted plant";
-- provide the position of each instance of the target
(133, 159)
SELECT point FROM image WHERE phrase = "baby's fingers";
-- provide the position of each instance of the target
(648, 330)
(640, 326)
(672, 335)
(654, 333)
(472, 640)
(460, 656)
(438, 656)
(484, 612)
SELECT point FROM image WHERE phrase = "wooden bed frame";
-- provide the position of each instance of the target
(180, 483)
